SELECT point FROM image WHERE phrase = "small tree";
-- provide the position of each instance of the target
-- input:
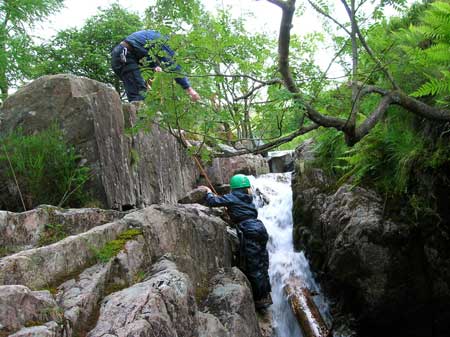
(86, 51)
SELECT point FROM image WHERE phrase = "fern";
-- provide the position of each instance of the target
(431, 53)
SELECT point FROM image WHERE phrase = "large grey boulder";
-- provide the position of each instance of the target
(231, 301)
(129, 171)
(26, 230)
(375, 267)
(195, 237)
(209, 325)
(19, 307)
(163, 305)
(44, 266)
(281, 161)
(222, 169)
(49, 329)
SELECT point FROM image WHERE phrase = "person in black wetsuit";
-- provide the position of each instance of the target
(252, 234)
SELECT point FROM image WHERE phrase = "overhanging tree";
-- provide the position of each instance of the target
(17, 17)
(388, 96)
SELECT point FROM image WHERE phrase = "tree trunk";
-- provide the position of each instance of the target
(305, 310)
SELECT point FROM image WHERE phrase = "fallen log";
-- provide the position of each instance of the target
(305, 310)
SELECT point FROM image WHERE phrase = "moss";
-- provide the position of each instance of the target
(5, 251)
(112, 248)
(139, 277)
(53, 232)
(52, 290)
(201, 293)
(114, 287)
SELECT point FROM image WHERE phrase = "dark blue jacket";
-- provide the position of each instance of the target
(239, 204)
(144, 40)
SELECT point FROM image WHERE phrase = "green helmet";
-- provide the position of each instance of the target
(239, 181)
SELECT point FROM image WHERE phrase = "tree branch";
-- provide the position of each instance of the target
(371, 121)
(271, 145)
(322, 12)
(280, 3)
(257, 87)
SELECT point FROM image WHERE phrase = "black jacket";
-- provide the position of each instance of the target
(239, 204)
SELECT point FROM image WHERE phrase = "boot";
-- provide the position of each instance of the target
(264, 302)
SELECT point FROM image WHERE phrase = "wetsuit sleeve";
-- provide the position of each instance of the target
(216, 201)
(167, 62)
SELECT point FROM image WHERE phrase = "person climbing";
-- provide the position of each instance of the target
(252, 234)
(151, 45)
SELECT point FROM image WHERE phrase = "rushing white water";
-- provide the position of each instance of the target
(284, 262)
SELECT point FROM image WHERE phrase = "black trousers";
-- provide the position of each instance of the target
(254, 257)
(129, 73)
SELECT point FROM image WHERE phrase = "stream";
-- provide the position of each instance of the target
(284, 261)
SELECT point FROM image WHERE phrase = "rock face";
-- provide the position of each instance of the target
(222, 169)
(128, 170)
(231, 301)
(281, 161)
(19, 231)
(163, 305)
(171, 278)
(377, 269)
(20, 306)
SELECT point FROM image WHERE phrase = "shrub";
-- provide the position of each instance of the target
(45, 167)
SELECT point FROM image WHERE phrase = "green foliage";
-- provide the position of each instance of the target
(112, 248)
(46, 169)
(53, 232)
(434, 28)
(86, 51)
(386, 158)
(208, 45)
(328, 151)
(16, 18)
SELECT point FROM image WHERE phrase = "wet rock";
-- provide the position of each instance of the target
(375, 267)
(222, 169)
(305, 151)
(196, 196)
(231, 301)
(281, 161)
(40, 267)
(163, 305)
(19, 306)
(129, 170)
(265, 323)
(26, 230)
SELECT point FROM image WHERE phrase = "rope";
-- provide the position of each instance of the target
(197, 161)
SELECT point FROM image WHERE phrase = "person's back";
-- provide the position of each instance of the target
(126, 57)
(142, 41)
(253, 236)
(239, 204)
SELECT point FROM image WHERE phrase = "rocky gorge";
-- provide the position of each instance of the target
(151, 261)
(388, 276)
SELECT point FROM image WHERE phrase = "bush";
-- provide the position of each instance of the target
(46, 170)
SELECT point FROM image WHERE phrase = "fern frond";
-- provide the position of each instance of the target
(434, 86)
(439, 53)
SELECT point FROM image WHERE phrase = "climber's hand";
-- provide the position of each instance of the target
(205, 188)
(194, 95)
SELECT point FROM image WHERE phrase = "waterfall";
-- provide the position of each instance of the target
(276, 214)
